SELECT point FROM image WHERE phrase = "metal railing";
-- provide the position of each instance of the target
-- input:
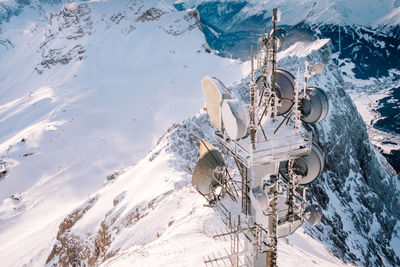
(280, 148)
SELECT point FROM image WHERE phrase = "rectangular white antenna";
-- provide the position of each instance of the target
(276, 15)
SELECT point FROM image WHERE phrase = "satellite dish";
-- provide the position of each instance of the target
(315, 106)
(317, 68)
(313, 68)
(215, 92)
(208, 166)
(313, 214)
(235, 118)
(308, 167)
(284, 89)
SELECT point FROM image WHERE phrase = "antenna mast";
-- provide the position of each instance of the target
(272, 220)
(275, 17)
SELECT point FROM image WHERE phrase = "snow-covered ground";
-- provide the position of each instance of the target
(86, 91)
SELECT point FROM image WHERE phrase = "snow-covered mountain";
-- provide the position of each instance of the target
(86, 90)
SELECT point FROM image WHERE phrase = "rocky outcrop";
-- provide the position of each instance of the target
(92, 249)
(150, 15)
(72, 23)
(68, 249)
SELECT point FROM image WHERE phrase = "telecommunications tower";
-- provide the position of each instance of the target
(274, 154)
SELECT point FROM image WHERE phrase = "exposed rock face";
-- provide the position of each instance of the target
(150, 15)
(64, 39)
(72, 23)
(74, 249)
(361, 194)
(69, 249)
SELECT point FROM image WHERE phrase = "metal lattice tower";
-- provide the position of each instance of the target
(273, 153)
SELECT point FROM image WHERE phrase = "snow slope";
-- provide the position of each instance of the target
(84, 92)
(152, 216)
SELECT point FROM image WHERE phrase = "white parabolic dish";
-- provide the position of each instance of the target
(215, 92)
(315, 106)
(235, 118)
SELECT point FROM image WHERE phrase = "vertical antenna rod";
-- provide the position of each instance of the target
(272, 225)
(252, 103)
(274, 20)
(272, 38)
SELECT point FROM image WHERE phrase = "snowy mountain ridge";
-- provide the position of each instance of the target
(370, 13)
(375, 14)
